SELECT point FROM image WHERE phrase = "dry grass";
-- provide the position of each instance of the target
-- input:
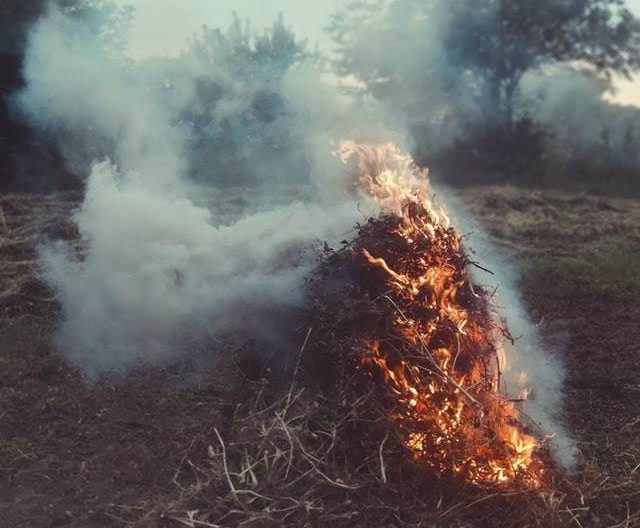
(300, 462)
(26, 222)
(551, 224)
(292, 464)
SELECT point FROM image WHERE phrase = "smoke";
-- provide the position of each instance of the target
(168, 258)
(399, 53)
(532, 371)
(210, 185)
(574, 105)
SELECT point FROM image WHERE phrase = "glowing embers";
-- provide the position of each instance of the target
(436, 346)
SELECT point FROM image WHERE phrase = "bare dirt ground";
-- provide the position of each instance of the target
(100, 455)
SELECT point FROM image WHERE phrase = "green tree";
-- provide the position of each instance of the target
(482, 48)
(238, 117)
(499, 41)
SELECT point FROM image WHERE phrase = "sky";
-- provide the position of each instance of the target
(307, 17)
(629, 91)
(186, 17)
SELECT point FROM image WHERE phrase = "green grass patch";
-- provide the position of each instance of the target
(612, 273)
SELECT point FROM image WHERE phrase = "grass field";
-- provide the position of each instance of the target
(138, 450)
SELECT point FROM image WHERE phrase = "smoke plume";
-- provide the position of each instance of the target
(210, 185)
(176, 251)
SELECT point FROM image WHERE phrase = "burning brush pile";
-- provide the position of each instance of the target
(410, 425)
(425, 333)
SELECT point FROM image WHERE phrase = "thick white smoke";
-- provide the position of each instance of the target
(160, 267)
(174, 252)
(159, 272)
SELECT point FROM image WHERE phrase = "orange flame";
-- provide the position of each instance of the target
(444, 375)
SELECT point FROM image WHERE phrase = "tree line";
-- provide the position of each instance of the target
(491, 90)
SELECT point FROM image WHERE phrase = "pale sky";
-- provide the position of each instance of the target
(629, 91)
(180, 19)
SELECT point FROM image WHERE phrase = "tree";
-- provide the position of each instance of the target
(15, 18)
(22, 151)
(499, 41)
(237, 115)
(474, 53)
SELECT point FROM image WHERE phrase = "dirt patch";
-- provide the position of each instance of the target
(74, 453)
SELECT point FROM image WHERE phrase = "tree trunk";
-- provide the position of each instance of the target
(511, 86)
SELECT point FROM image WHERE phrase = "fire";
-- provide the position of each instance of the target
(440, 356)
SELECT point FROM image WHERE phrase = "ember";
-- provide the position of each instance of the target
(433, 343)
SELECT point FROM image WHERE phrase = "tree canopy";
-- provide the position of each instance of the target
(499, 41)
(486, 46)
(461, 70)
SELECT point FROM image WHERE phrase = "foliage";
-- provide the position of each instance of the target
(109, 20)
(15, 16)
(245, 52)
(501, 40)
(224, 96)
(23, 152)
(461, 72)
(240, 127)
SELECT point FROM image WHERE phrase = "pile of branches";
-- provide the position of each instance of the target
(399, 335)
(323, 449)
